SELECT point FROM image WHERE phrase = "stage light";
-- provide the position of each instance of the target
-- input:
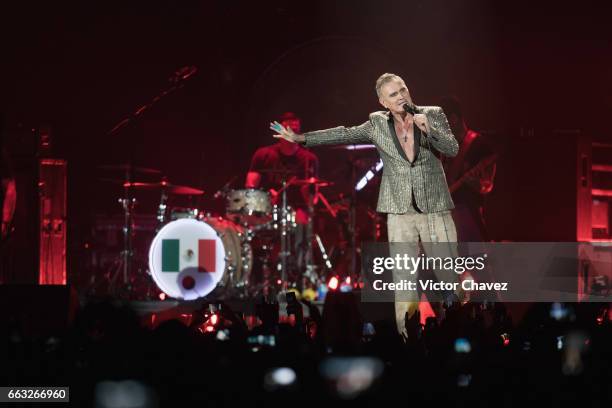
(223, 335)
(214, 319)
(558, 311)
(279, 377)
(361, 184)
(462, 346)
(333, 283)
(369, 175)
(344, 287)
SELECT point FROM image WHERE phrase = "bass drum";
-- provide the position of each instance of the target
(238, 254)
(189, 259)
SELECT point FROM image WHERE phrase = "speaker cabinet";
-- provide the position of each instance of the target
(52, 219)
(543, 188)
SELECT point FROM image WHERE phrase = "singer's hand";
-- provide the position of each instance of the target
(421, 121)
(285, 133)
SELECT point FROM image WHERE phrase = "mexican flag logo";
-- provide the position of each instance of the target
(187, 259)
(171, 251)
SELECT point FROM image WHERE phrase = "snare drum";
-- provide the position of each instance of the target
(249, 206)
(179, 213)
(189, 258)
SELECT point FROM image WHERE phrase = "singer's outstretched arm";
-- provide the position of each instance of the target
(339, 135)
(334, 136)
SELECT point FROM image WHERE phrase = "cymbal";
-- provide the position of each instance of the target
(124, 167)
(167, 187)
(313, 181)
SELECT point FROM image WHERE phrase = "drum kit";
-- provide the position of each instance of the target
(246, 252)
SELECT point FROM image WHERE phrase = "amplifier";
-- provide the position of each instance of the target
(52, 220)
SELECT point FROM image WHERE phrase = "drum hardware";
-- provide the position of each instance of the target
(161, 209)
(225, 189)
(177, 213)
(166, 189)
(284, 253)
(326, 259)
(355, 163)
(123, 264)
(314, 196)
(312, 181)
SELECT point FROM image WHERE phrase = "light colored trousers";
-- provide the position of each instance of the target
(410, 228)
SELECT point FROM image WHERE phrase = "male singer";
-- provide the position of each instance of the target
(413, 190)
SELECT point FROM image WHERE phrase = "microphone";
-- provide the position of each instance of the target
(411, 108)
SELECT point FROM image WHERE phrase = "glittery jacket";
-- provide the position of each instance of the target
(424, 177)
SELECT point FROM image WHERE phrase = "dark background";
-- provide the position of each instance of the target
(80, 67)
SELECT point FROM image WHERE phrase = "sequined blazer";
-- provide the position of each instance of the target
(423, 178)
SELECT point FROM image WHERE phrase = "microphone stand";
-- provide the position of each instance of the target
(177, 81)
(128, 202)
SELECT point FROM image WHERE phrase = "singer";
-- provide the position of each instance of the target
(413, 191)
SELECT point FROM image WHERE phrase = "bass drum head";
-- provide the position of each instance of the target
(187, 259)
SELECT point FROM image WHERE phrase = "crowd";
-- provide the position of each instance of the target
(476, 356)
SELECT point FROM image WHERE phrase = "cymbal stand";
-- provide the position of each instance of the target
(284, 251)
(353, 216)
(161, 210)
(310, 266)
(124, 264)
(128, 206)
(324, 255)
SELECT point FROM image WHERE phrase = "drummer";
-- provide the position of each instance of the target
(270, 164)
(283, 159)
